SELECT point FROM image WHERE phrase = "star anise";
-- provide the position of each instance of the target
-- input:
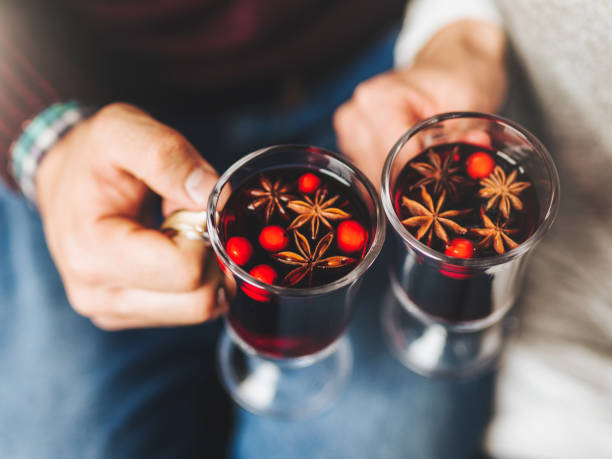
(503, 190)
(271, 195)
(495, 235)
(308, 260)
(316, 211)
(429, 219)
(439, 172)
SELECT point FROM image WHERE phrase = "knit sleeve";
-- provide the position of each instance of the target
(424, 18)
(24, 93)
(40, 74)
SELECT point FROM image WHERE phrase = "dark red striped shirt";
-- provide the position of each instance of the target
(182, 54)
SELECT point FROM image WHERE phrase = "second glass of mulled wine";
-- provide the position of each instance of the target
(295, 228)
(468, 195)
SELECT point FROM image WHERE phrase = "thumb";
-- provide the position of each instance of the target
(160, 157)
(199, 184)
(177, 172)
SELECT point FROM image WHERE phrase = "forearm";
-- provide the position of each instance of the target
(474, 52)
(425, 18)
(466, 39)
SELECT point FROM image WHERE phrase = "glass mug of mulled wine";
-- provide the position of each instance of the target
(468, 197)
(295, 228)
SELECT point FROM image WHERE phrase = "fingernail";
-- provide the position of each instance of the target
(194, 187)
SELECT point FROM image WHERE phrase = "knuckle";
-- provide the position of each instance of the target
(106, 114)
(168, 144)
(165, 152)
(340, 115)
(363, 91)
(368, 93)
(114, 109)
(101, 124)
(201, 306)
(104, 123)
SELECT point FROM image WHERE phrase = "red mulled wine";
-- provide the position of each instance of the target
(465, 201)
(294, 227)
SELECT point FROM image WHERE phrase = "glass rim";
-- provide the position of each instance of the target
(364, 264)
(548, 214)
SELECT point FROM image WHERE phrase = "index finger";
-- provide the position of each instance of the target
(147, 259)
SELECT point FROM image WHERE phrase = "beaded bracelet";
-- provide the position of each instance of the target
(39, 135)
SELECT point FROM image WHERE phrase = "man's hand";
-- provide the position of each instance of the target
(93, 188)
(461, 68)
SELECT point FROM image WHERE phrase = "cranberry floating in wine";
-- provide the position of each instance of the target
(478, 165)
(351, 236)
(265, 274)
(239, 249)
(273, 238)
(308, 182)
(460, 247)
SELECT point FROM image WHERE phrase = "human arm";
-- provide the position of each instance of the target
(96, 176)
(461, 67)
(93, 188)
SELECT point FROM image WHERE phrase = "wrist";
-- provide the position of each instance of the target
(472, 39)
(425, 18)
(39, 136)
(472, 53)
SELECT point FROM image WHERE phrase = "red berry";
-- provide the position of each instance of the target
(308, 182)
(239, 250)
(456, 272)
(351, 236)
(273, 238)
(460, 248)
(479, 165)
(263, 273)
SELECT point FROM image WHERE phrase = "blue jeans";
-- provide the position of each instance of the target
(69, 390)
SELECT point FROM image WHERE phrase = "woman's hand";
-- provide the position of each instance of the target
(461, 68)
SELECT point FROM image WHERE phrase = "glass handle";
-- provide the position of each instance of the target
(188, 224)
